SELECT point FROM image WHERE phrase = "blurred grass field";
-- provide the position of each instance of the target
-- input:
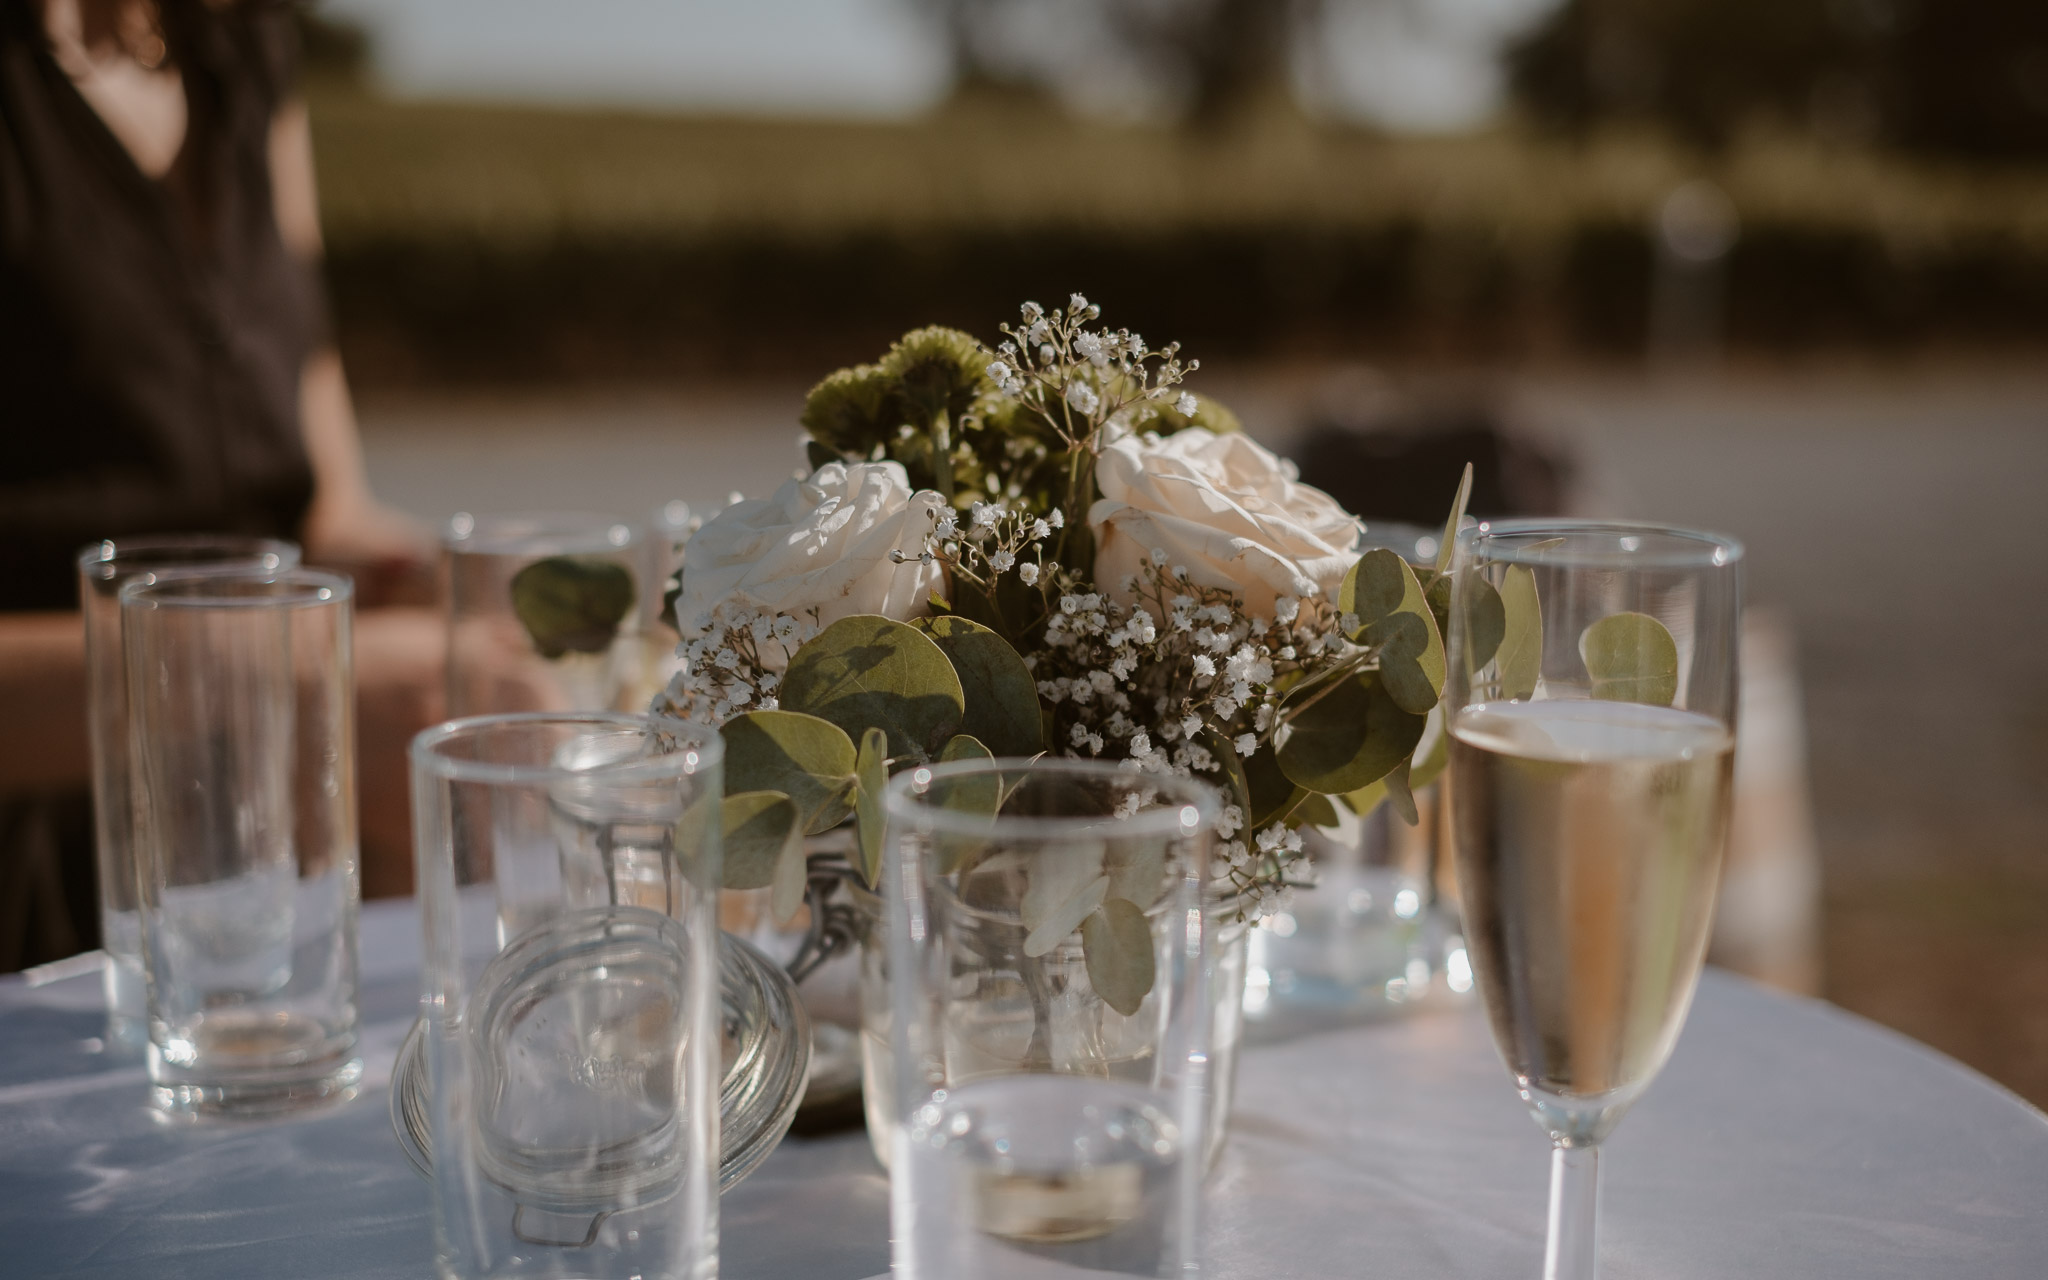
(486, 242)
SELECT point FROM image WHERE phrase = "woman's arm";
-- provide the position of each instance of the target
(390, 553)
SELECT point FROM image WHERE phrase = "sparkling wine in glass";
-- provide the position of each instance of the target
(1591, 702)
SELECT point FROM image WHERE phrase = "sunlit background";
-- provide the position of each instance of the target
(1774, 266)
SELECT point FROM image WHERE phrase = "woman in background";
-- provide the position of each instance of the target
(165, 367)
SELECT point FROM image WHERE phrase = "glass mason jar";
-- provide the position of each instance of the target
(877, 1062)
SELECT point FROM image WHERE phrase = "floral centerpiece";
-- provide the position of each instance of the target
(1054, 546)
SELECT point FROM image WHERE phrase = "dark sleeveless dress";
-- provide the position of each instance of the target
(152, 335)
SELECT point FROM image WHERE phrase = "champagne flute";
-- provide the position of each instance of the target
(1590, 698)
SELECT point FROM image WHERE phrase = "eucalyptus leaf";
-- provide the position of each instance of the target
(1445, 548)
(1375, 586)
(572, 605)
(976, 793)
(1486, 619)
(1427, 765)
(1410, 659)
(1400, 794)
(692, 839)
(1271, 792)
(1316, 811)
(873, 770)
(1352, 736)
(1520, 658)
(1411, 649)
(809, 760)
(1367, 798)
(786, 892)
(759, 826)
(1436, 590)
(1632, 658)
(1001, 697)
(867, 671)
(1137, 870)
(1116, 941)
(1064, 916)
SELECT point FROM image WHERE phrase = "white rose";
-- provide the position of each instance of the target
(1230, 512)
(822, 543)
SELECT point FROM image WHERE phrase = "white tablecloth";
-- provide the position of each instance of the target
(1786, 1138)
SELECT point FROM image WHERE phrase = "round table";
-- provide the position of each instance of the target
(1786, 1138)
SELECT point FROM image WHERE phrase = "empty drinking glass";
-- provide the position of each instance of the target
(103, 569)
(1050, 1030)
(568, 871)
(242, 746)
(543, 613)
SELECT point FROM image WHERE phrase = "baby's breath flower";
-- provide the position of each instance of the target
(1185, 405)
(1001, 561)
(1028, 573)
(1246, 744)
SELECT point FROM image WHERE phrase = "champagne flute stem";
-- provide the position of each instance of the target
(1574, 1208)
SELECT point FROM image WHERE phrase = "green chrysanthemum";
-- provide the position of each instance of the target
(852, 410)
(937, 371)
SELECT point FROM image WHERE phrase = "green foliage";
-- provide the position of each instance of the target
(1632, 658)
(1396, 621)
(1001, 697)
(1401, 794)
(1520, 656)
(1447, 547)
(1315, 811)
(761, 827)
(1270, 793)
(1350, 736)
(1486, 619)
(868, 672)
(810, 760)
(1116, 943)
(869, 820)
(1425, 771)
(572, 605)
(980, 793)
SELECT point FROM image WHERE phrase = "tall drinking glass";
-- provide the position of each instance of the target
(1050, 1032)
(103, 569)
(543, 613)
(1591, 695)
(568, 873)
(242, 746)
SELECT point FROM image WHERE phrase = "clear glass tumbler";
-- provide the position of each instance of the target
(103, 569)
(1591, 698)
(568, 870)
(543, 613)
(1048, 955)
(241, 703)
